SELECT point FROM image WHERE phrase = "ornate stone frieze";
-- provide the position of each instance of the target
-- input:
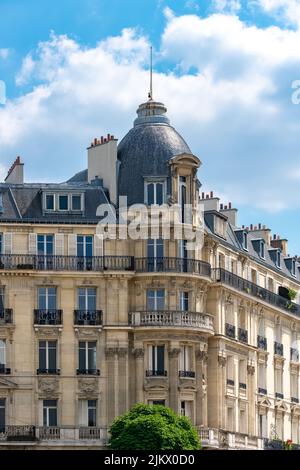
(88, 386)
(139, 353)
(47, 331)
(173, 353)
(87, 333)
(202, 356)
(156, 383)
(48, 386)
(187, 384)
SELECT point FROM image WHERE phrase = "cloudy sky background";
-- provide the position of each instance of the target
(224, 68)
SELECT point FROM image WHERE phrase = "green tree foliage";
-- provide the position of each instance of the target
(153, 427)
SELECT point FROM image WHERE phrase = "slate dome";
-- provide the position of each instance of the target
(146, 150)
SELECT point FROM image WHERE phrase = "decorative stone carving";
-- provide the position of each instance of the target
(138, 289)
(85, 333)
(156, 383)
(138, 353)
(122, 352)
(202, 356)
(173, 353)
(47, 281)
(47, 332)
(88, 386)
(48, 385)
(110, 353)
(222, 361)
(187, 384)
(250, 369)
(155, 283)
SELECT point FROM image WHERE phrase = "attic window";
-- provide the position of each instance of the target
(245, 241)
(1, 204)
(63, 202)
(49, 202)
(262, 249)
(278, 259)
(293, 267)
(155, 192)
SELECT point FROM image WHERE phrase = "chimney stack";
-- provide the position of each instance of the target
(280, 243)
(15, 174)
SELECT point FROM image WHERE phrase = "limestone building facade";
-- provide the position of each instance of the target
(91, 325)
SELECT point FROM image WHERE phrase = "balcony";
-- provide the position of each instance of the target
(87, 372)
(262, 342)
(88, 317)
(220, 439)
(66, 263)
(294, 355)
(6, 316)
(278, 348)
(262, 391)
(4, 370)
(279, 395)
(18, 433)
(243, 285)
(48, 371)
(156, 373)
(187, 373)
(243, 335)
(294, 400)
(230, 330)
(172, 265)
(172, 318)
(230, 382)
(242, 385)
(49, 432)
(90, 433)
(47, 317)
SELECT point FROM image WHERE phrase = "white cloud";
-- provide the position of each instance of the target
(234, 109)
(192, 5)
(288, 10)
(4, 53)
(229, 6)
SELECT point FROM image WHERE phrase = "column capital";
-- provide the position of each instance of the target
(174, 352)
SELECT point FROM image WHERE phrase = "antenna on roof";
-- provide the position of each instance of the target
(150, 94)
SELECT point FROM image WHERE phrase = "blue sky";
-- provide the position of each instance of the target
(77, 69)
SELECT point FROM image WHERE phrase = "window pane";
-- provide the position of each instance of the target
(160, 358)
(159, 248)
(51, 357)
(92, 355)
(52, 298)
(150, 194)
(91, 292)
(160, 299)
(42, 298)
(150, 300)
(42, 355)
(52, 417)
(63, 203)
(49, 202)
(82, 356)
(1, 298)
(2, 414)
(76, 203)
(2, 352)
(89, 246)
(159, 193)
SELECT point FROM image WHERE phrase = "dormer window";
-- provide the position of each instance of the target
(245, 241)
(294, 267)
(155, 192)
(278, 259)
(1, 203)
(262, 249)
(63, 203)
(49, 202)
(76, 202)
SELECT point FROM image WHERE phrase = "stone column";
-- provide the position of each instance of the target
(139, 374)
(251, 399)
(173, 378)
(112, 389)
(201, 394)
(123, 380)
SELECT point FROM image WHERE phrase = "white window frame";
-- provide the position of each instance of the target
(47, 297)
(185, 358)
(3, 349)
(47, 408)
(86, 296)
(155, 181)
(86, 349)
(155, 298)
(47, 352)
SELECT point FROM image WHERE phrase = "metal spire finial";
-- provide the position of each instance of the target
(150, 94)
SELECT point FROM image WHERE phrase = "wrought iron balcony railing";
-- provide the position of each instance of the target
(230, 382)
(230, 330)
(294, 355)
(48, 371)
(4, 370)
(88, 372)
(278, 348)
(6, 316)
(170, 318)
(262, 391)
(279, 395)
(243, 385)
(66, 263)
(176, 265)
(243, 335)
(18, 433)
(156, 373)
(47, 317)
(187, 373)
(294, 400)
(241, 284)
(262, 342)
(87, 317)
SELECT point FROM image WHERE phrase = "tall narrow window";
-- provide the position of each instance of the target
(155, 254)
(154, 193)
(2, 356)
(157, 360)
(87, 357)
(49, 413)
(185, 358)
(263, 425)
(261, 377)
(155, 299)
(182, 196)
(1, 300)
(45, 250)
(294, 388)
(47, 298)
(278, 259)
(184, 301)
(49, 202)
(76, 202)
(63, 202)
(186, 408)
(47, 357)
(230, 426)
(242, 374)
(2, 415)
(87, 298)
(84, 251)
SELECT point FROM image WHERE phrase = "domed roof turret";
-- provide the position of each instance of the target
(146, 149)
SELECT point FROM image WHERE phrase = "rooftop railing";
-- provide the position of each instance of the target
(241, 284)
